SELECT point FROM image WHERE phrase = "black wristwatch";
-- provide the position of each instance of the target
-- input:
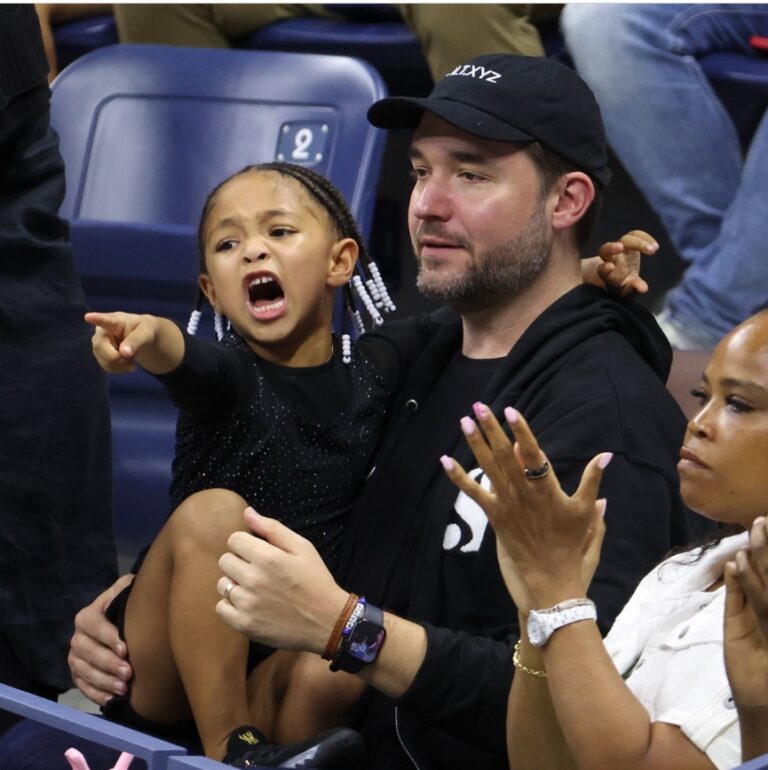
(363, 644)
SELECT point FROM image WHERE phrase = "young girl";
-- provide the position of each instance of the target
(282, 417)
(655, 694)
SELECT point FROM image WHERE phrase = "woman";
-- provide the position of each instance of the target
(655, 694)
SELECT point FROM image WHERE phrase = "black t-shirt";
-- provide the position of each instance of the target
(460, 386)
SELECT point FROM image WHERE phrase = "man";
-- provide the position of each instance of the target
(57, 550)
(507, 156)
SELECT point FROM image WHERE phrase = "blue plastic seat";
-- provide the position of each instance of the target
(146, 132)
(387, 44)
(78, 37)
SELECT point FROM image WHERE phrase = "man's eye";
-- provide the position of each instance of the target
(417, 173)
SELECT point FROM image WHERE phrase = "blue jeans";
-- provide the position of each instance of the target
(679, 144)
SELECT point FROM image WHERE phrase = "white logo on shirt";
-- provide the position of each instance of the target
(470, 513)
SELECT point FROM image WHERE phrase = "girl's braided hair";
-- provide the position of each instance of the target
(366, 281)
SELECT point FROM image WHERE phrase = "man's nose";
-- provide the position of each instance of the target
(430, 200)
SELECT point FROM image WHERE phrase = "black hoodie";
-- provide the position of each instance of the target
(588, 375)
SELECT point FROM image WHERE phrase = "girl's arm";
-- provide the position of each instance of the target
(549, 547)
(121, 340)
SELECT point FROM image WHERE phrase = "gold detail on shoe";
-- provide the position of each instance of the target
(248, 737)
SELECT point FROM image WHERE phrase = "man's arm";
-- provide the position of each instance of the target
(285, 597)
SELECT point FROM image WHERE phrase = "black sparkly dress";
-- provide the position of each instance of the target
(296, 443)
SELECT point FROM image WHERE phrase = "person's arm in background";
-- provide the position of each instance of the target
(746, 639)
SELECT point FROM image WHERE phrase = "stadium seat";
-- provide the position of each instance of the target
(78, 37)
(146, 132)
(385, 43)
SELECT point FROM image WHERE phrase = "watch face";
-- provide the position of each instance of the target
(535, 630)
(366, 640)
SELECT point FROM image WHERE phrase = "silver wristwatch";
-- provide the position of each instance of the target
(543, 623)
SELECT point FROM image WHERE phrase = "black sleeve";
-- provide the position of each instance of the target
(212, 380)
(463, 683)
(394, 346)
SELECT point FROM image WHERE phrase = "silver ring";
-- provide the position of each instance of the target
(537, 473)
(228, 589)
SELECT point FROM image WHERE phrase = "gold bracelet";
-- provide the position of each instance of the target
(525, 669)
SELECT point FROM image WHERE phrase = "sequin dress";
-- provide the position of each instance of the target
(235, 431)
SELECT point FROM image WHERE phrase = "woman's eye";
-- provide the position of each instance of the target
(281, 232)
(699, 395)
(737, 405)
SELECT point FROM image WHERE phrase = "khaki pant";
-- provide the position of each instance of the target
(449, 34)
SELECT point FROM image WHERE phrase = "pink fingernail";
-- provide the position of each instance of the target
(467, 426)
(605, 508)
(447, 463)
(480, 410)
(511, 414)
(605, 458)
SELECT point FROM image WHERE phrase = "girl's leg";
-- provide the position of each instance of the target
(185, 659)
(294, 696)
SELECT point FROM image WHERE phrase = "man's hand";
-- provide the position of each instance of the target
(283, 595)
(97, 655)
(617, 268)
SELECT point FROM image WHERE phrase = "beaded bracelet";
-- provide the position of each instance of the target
(518, 664)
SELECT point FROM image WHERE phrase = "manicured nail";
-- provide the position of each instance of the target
(467, 426)
(481, 411)
(605, 458)
(511, 414)
(447, 463)
(605, 508)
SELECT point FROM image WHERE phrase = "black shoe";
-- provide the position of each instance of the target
(338, 749)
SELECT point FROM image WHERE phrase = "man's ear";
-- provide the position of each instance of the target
(575, 193)
(207, 287)
(344, 255)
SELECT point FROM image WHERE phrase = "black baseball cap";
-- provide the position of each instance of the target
(512, 98)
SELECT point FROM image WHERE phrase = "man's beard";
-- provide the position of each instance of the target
(496, 275)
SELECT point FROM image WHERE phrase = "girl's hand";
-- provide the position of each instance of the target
(118, 337)
(746, 620)
(549, 543)
(617, 268)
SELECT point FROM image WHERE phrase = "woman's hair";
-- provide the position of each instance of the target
(366, 281)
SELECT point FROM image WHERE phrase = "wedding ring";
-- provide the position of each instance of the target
(537, 473)
(228, 589)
